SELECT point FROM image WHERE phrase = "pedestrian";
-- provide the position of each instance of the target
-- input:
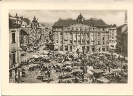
(16, 78)
(109, 69)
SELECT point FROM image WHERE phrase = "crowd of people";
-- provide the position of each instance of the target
(112, 67)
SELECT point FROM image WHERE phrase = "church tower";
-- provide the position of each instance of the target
(125, 17)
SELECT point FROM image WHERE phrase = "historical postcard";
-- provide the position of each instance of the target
(69, 46)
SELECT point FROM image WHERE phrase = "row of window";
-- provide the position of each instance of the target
(75, 41)
(80, 29)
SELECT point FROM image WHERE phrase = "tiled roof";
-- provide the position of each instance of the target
(91, 22)
(26, 20)
(122, 26)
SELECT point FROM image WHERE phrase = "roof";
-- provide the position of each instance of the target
(12, 23)
(121, 26)
(23, 32)
(91, 22)
(125, 31)
(114, 25)
(26, 20)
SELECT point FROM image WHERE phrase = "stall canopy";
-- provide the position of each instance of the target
(35, 56)
(117, 70)
(89, 72)
(97, 71)
(45, 52)
(62, 52)
(41, 55)
(104, 80)
(77, 70)
(90, 68)
(68, 62)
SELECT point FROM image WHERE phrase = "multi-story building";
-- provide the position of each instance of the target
(112, 37)
(47, 32)
(24, 22)
(90, 34)
(14, 47)
(24, 39)
(122, 38)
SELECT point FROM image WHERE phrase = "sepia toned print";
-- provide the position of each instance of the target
(76, 46)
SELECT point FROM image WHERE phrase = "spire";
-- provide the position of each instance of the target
(125, 17)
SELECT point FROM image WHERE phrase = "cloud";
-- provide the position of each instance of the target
(51, 16)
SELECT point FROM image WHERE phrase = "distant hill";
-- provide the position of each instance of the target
(49, 25)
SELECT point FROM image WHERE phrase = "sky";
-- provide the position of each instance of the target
(50, 16)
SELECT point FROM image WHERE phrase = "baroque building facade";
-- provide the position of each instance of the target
(90, 35)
